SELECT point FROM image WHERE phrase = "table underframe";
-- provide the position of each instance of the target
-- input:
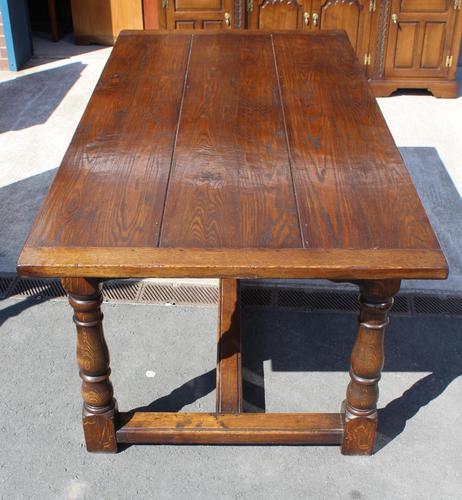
(354, 427)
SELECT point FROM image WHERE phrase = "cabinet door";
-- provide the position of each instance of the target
(420, 36)
(353, 16)
(199, 14)
(278, 14)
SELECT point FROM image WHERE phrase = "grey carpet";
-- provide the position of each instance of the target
(19, 110)
(20, 201)
(444, 209)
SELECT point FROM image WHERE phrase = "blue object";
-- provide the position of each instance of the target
(16, 26)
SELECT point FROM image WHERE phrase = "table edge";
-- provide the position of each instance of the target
(147, 262)
(231, 32)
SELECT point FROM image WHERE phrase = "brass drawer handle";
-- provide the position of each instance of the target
(394, 18)
(227, 20)
(306, 18)
(315, 19)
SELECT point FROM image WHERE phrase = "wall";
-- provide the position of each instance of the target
(3, 54)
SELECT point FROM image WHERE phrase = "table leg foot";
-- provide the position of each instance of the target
(99, 406)
(360, 406)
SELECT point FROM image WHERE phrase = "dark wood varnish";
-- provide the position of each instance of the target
(233, 133)
(205, 146)
(250, 155)
(229, 263)
(229, 361)
(99, 406)
(120, 154)
(367, 359)
(243, 428)
(400, 44)
(345, 165)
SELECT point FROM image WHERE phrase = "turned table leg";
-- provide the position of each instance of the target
(99, 406)
(360, 407)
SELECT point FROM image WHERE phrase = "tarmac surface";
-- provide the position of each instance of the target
(294, 361)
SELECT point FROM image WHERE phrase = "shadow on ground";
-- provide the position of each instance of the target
(291, 341)
(322, 342)
(19, 307)
(31, 99)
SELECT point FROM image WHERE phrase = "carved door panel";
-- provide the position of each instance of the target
(420, 38)
(278, 14)
(353, 16)
(199, 14)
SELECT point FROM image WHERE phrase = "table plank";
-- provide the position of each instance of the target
(349, 175)
(231, 183)
(110, 189)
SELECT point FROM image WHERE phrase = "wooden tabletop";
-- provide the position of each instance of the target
(234, 155)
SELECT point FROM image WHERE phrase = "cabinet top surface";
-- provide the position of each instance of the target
(233, 154)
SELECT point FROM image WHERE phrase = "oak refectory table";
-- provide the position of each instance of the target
(232, 155)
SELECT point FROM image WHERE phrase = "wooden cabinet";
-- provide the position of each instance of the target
(352, 16)
(100, 21)
(401, 43)
(197, 14)
(278, 15)
(420, 46)
(420, 38)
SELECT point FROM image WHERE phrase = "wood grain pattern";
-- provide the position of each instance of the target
(99, 405)
(437, 86)
(100, 434)
(232, 156)
(229, 358)
(232, 263)
(213, 154)
(347, 170)
(276, 15)
(110, 189)
(367, 357)
(242, 428)
(232, 131)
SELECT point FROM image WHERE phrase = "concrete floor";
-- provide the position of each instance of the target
(425, 121)
(292, 368)
(53, 94)
(42, 455)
